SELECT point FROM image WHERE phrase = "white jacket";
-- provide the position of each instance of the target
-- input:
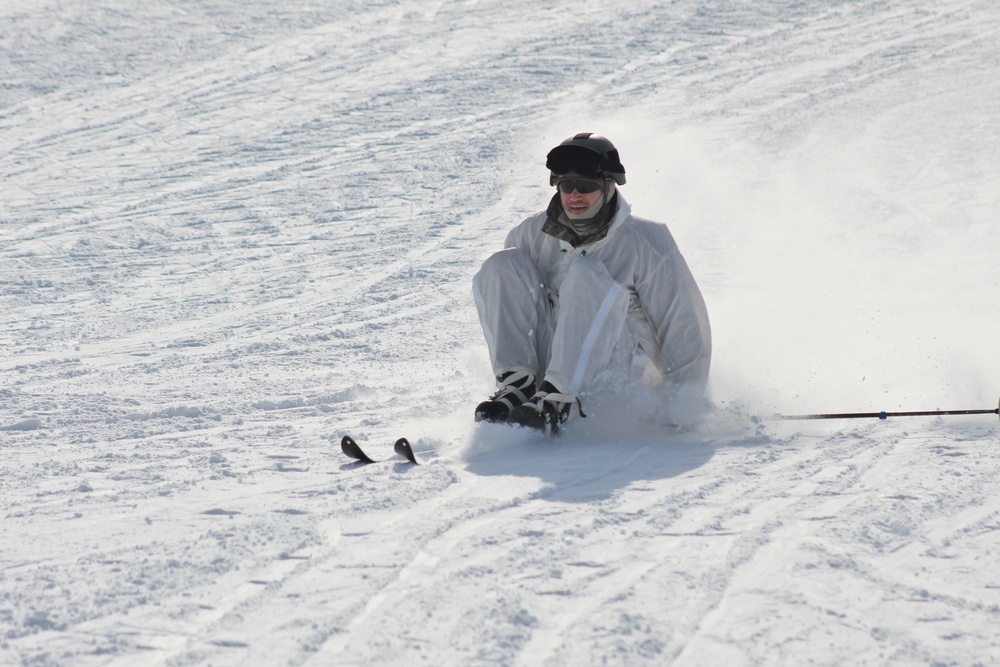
(667, 314)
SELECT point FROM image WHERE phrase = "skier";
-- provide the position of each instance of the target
(585, 292)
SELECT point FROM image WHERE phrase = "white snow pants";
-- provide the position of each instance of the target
(568, 344)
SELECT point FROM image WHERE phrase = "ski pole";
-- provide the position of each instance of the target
(885, 415)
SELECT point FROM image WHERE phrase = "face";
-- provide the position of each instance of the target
(576, 202)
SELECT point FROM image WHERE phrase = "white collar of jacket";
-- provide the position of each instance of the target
(624, 211)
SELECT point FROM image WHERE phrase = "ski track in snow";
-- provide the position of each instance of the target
(231, 233)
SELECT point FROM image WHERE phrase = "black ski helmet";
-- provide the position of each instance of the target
(586, 154)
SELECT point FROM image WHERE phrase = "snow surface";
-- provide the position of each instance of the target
(232, 231)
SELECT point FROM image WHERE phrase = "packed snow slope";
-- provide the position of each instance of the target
(232, 231)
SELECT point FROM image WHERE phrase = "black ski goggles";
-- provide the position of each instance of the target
(583, 187)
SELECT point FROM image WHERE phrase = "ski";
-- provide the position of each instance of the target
(353, 450)
(402, 447)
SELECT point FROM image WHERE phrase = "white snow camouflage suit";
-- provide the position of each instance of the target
(567, 313)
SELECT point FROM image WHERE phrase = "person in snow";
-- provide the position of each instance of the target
(585, 292)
